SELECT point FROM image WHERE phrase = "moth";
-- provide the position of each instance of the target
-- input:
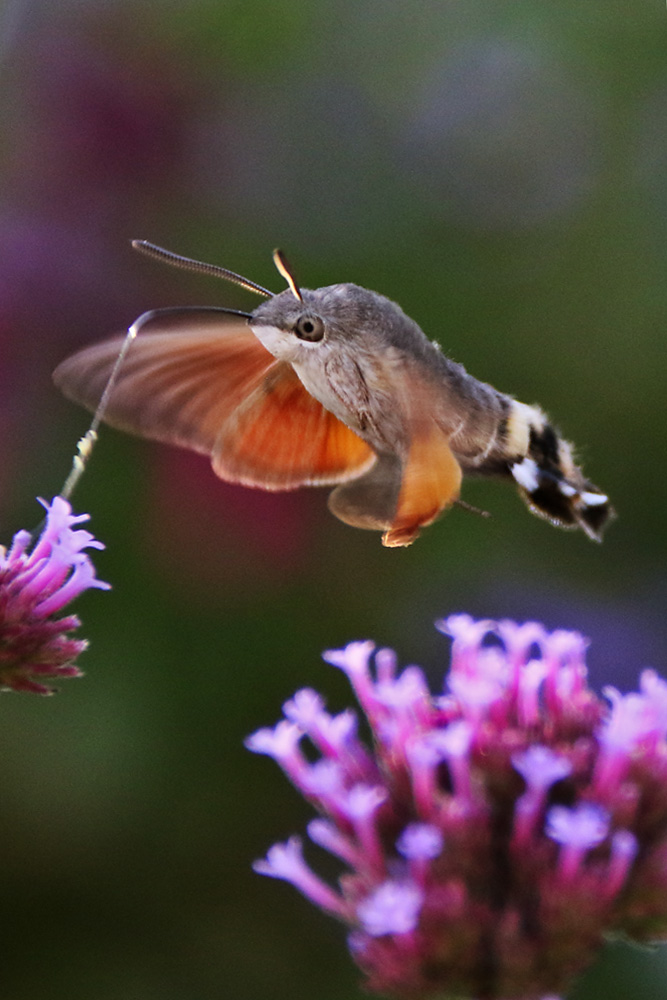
(334, 386)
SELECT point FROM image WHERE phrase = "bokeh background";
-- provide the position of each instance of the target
(499, 167)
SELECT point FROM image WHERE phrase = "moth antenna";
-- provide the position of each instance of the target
(187, 264)
(85, 446)
(280, 260)
(473, 510)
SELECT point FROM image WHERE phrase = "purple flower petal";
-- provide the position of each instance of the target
(420, 841)
(279, 742)
(304, 708)
(584, 826)
(393, 908)
(286, 861)
(540, 767)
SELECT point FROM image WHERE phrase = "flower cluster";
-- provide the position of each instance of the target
(35, 585)
(494, 834)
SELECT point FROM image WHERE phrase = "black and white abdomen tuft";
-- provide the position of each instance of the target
(550, 482)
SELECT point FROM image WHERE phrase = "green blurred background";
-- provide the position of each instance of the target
(499, 167)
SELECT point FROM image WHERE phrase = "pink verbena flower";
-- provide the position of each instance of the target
(35, 584)
(496, 833)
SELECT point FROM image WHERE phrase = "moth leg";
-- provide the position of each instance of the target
(371, 500)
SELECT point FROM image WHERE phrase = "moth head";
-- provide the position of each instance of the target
(334, 318)
(290, 328)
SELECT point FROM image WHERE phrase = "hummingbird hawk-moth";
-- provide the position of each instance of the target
(332, 386)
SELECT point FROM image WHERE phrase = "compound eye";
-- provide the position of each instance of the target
(309, 328)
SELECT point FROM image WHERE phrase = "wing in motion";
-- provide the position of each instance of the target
(201, 379)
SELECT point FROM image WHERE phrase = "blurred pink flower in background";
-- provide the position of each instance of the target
(95, 140)
(260, 538)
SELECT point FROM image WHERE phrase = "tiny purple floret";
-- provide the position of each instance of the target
(392, 908)
(540, 767)
(286, 861)
(420, 841)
